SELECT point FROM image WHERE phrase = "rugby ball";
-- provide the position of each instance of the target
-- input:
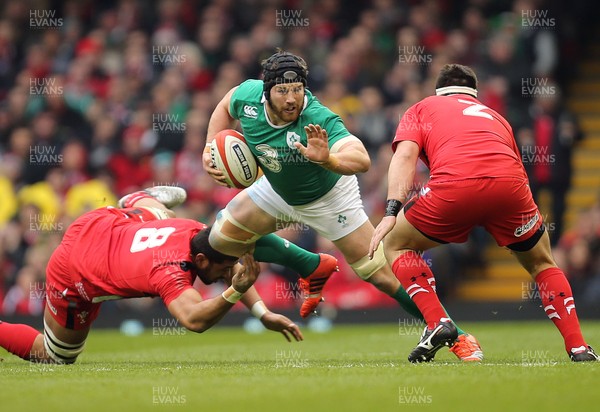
(231, 155)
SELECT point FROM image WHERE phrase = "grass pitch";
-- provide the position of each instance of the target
(350, 368)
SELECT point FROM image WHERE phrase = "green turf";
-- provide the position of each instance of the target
(351, 368)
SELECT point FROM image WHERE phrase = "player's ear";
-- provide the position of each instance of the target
(201, 261)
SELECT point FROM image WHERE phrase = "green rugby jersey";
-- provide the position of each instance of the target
(292, 176)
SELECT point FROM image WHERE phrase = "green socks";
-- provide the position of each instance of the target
(274, 249)
(408, 305)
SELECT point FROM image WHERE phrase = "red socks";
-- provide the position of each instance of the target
(418, 281)
(557, 300)
(130, 200)
(17, 339)
(555, 291)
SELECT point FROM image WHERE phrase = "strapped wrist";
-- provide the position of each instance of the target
(259, 309)
(392, 207)
(231, 295)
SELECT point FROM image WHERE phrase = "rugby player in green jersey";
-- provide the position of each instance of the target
(310, 162)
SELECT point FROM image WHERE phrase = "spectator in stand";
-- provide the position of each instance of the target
(579, 252)
(104, 143)
(503, 62)
(372, 123)
(74, 163)
(131, 166)
(89, 195)
(187, 168)
(102, 56)
(25, 296)
(547, 149)
(16, 158)
(8, 206)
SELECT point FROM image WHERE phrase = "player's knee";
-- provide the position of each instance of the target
(366, 267)
(58, 351)
(231, 237)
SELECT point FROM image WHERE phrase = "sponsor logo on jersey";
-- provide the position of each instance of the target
(291, 138)
(521, 230)
(268, 157)
(250, 111)
(81, 291)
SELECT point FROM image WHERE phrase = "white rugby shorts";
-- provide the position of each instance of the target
(334, 215)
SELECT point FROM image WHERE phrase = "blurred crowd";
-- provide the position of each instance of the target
(101, 98)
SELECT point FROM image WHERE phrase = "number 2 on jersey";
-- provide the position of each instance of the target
(475, 109)
(150, 237)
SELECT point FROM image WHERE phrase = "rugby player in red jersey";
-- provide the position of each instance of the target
(477, 179)
(134, 251)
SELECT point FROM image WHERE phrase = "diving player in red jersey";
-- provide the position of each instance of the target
(134, 251)
(477, 179)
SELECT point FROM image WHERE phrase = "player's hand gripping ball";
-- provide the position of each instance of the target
(231, 155)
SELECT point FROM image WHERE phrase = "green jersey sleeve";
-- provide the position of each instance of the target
(331, 122)
(244, 99)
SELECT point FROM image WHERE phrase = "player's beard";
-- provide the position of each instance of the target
(203, 276)
(285, 113)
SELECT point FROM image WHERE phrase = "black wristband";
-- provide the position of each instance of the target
(392, 207)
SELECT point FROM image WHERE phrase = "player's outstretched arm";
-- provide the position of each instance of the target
(220, 119)
(272, 321)
(401, 175)
(350, 159)
(200, 315)
(196, 314)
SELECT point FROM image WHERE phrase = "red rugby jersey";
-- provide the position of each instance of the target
(459, 138)
(114, 256)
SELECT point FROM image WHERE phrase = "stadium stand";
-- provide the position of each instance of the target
(100, 98)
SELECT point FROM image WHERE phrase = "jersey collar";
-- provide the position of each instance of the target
(442, 91)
